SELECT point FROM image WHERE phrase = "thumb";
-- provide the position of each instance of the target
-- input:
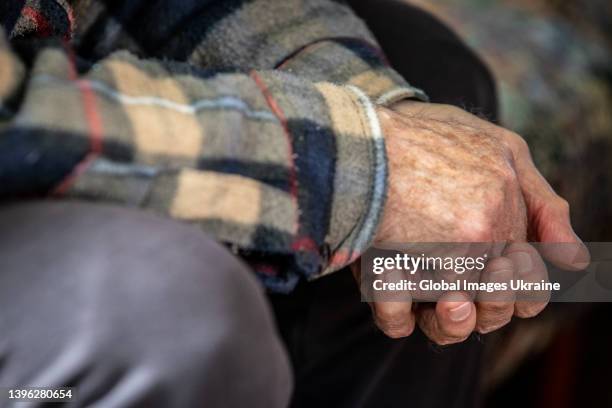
(549, 217)
(559, 243)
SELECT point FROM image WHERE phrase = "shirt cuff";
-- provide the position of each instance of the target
(352, 61)
(360, 182)
(341, 166)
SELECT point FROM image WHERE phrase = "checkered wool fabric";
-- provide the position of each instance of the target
(253, 119)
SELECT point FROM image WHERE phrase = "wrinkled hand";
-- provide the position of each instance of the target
(456, 178)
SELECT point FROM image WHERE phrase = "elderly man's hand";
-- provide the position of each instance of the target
(456, 178)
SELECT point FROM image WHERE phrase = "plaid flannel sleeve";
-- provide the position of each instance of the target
(289, 172)
(319, 40)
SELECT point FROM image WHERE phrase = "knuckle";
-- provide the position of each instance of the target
(488, 327)
(520, 143)
(398, 332)
(445, 340)
(440, 335)
(394, 320)
(559, 206)
(476, 228)
(507, 174)
(514, 144)
(504, 141)
(454, 333)
(502, 263)
(563, 206)
(391, 315)
(497, 311)
(493, 315)
(526, 310)
(516, 141)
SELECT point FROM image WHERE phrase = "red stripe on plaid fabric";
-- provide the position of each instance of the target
(308, 47)
(278, 112)
(43, 27)
(94, 123)
(302, 243)
(92, 115)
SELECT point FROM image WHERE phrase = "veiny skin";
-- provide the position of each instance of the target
(454, 177)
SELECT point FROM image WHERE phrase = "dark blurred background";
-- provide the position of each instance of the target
(552, 62)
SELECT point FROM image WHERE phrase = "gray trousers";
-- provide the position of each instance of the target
(132, 310)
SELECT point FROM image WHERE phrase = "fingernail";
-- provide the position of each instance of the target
(461, 312)
(582, 259)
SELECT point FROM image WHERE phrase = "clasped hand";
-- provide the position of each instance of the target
(454, 177)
